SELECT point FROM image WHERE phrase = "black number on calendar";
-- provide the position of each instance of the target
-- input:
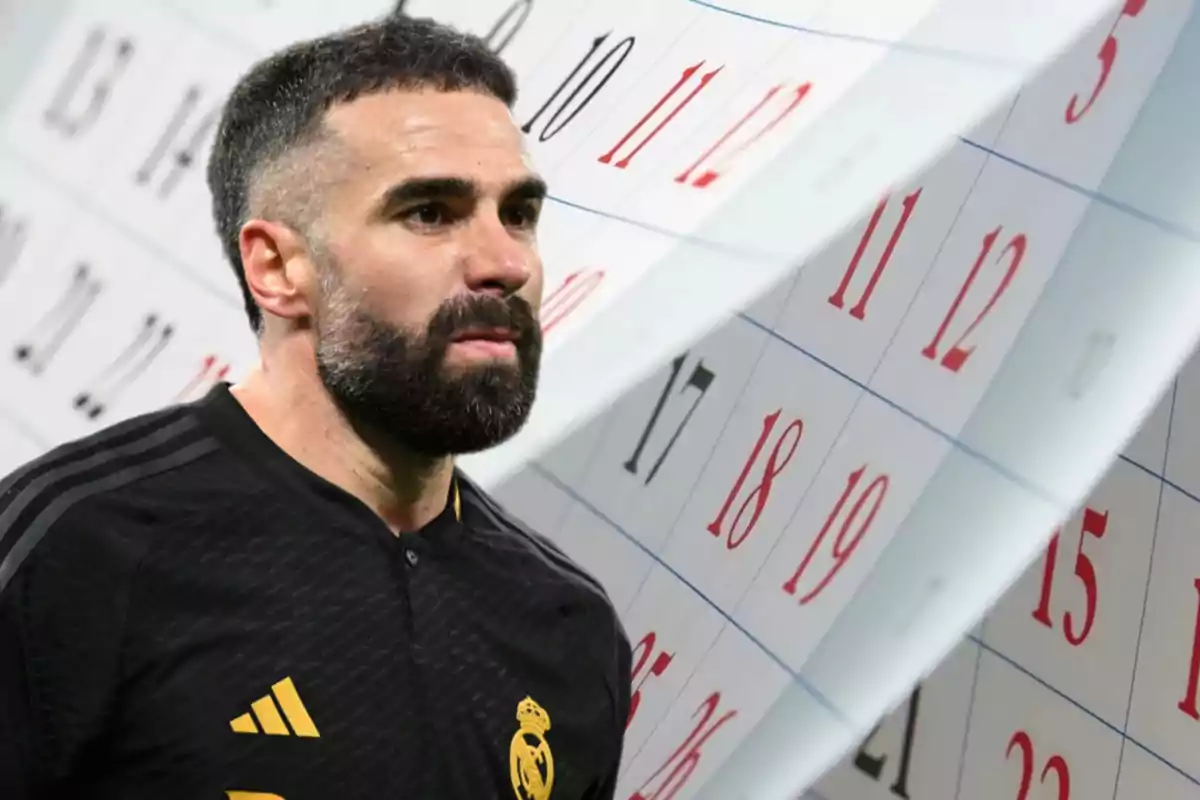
(700, 378)
(873, 765)
(14, 231)
(177, 147)
(610, 62)
(144, 348)
(37, 348)
(508, 25)
(88, 84)
(503, 30)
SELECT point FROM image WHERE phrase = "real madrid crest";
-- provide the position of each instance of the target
(530, 762)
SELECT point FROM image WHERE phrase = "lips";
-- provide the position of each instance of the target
(485, 335)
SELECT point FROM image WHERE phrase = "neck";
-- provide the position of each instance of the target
(405, 490)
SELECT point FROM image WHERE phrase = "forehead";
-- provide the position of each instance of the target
(396, 135)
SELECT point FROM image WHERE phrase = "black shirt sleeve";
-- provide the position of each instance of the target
(17, 757)
(63, 593)
(622, 688)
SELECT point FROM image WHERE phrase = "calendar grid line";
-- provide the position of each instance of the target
(1137, 647)
(962, 756)
(899, 45)
(957, 444)
(1045, 684)
(1160, 477)
(686, 238)
(1164, 225)
(799, 680)
(1160, 223)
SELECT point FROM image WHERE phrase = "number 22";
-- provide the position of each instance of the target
(1056, 764)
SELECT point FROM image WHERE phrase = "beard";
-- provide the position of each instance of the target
(397, 384)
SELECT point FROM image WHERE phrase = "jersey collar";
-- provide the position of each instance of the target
(225, 417)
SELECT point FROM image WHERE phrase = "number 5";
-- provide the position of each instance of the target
(1108, 57)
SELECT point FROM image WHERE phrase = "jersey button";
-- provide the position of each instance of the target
(411, 555)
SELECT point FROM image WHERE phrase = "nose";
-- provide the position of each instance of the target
(497, 262)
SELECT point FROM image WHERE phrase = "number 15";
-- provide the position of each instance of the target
(1095, 524)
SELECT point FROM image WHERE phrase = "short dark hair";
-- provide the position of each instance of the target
(280, 103)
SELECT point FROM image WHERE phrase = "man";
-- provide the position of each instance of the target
(285, 589)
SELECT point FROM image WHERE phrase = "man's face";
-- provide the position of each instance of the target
(426, 323)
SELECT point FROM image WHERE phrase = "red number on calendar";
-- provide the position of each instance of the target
(1108, 57)
(842, 548)
(210, 371)
(1188, 704)
(1094, 524)
(644, 669)
(577, 287)
(957, 355)
(683, 762)
(684, 79)
(838, 298)
(1056, 764)
(777, 461)
(710, 175)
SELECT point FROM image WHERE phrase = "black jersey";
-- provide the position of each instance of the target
(187, 612)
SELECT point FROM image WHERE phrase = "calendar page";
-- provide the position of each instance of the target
(853, 311)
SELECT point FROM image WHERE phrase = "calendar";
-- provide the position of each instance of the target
(868, 392)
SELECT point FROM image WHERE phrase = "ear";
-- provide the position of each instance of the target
(278, 269)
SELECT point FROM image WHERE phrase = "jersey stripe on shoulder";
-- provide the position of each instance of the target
(33, 503)
(113, 436)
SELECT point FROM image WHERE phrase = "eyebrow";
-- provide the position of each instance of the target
(424, 189)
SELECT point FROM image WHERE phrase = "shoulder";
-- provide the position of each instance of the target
(71, 511)
(542, 552)
(609, 641)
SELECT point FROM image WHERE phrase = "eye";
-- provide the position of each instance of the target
(426, 215)
(522, 215)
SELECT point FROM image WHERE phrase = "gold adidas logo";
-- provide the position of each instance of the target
(265, 717)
